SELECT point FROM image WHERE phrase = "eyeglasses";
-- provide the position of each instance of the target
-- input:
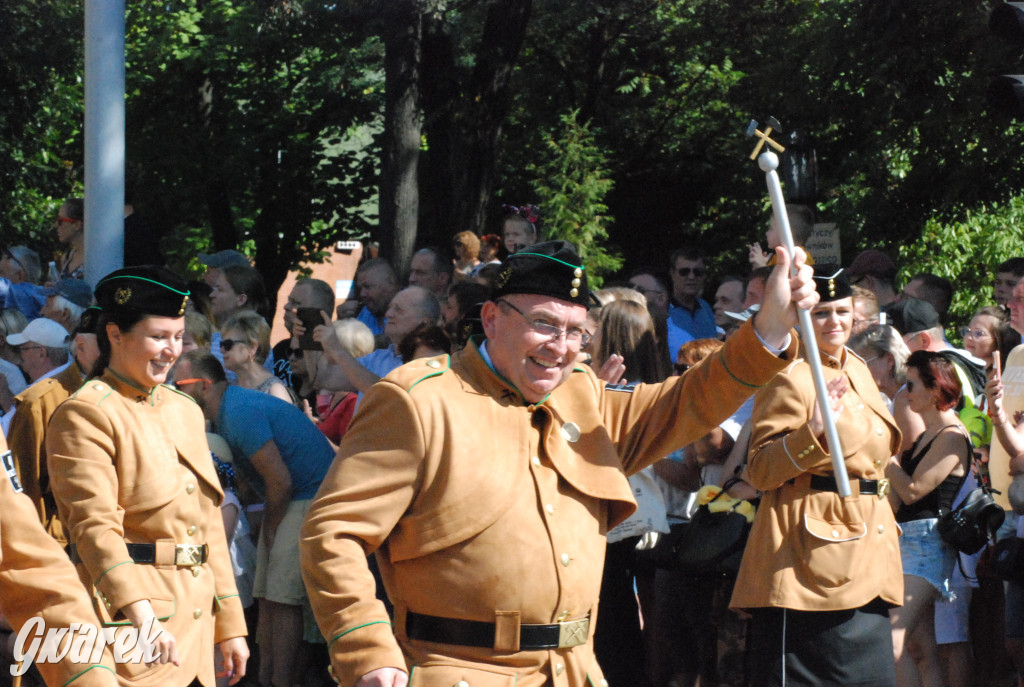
(969, 333)
(551, 332)
(182, 382)
(228, 344)
(22, 349)
(68, 220)
(687, 271)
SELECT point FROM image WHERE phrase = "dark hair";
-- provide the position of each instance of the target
(442, 260)
(205, 365)
(379, 264)
(657, 275)
(245, 280)
(937, 374)
(322, 295)
(125, 321)
(627, 329)
(691, 253)
(939, 291)
(732, 277)
(1007, 339)
(1014, 265)
(761, 273)
(467, 294)
(76, 208)
(425, 334)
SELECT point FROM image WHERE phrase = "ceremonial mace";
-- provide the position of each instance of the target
(769, 162)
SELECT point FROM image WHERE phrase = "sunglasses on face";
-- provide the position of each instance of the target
(228, 344)
(687, 271)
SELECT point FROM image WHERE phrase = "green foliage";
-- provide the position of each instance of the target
(571, 185)
(967, 252)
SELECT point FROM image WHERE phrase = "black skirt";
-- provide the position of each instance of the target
(849, 648)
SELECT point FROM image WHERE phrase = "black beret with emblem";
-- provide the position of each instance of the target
(146, 289)
(90, 320)
(831, 282)
(551, 268)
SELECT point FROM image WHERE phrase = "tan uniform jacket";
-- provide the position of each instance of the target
(484, 508)
(127, 466)
(814, 550)
(27, 439)
(38, 580)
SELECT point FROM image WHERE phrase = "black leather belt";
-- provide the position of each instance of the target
(823, 483)
(185, 555)
(429, 628)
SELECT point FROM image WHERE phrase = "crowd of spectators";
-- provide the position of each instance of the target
(283, 407)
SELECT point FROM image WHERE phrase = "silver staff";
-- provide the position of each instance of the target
(769, 162)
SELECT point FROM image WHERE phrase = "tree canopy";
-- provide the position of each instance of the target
(262, 124)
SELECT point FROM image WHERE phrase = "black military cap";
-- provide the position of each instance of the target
(912, 315)
(89, 322)
(551, 268)
(831, 282)
(144, 289)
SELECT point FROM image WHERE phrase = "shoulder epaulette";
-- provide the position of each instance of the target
(93, 391)
(626, 388)
(424, 368)
(37, 390)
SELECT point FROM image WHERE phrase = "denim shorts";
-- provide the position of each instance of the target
(926, 555)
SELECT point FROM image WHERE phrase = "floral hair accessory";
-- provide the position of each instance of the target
(531, 213)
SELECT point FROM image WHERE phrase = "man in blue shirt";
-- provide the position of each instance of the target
(283, 457)
(688, 310)
(19, 281)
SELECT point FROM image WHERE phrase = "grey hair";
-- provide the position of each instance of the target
(880, 339)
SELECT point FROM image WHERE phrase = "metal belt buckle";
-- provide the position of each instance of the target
(573, 633)
(883, 488)
(188, 555)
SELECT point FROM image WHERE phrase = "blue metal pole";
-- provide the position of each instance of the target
(104, 137)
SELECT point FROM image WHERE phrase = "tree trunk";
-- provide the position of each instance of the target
(399, 192)
(465, 132)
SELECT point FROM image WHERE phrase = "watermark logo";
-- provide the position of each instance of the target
(83, 643)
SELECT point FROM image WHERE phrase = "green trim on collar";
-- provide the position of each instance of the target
(180, 393)
(134, 385)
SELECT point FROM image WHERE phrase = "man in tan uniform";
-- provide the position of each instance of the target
(38, 580)
(35, 405)
(487, 481)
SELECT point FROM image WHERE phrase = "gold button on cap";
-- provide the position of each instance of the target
(881, 529)
(197, 614)
(192, 530)
(566, 560)
(190, 488)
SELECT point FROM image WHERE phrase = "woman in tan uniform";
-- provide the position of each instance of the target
(820, 571)
(138, 492)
